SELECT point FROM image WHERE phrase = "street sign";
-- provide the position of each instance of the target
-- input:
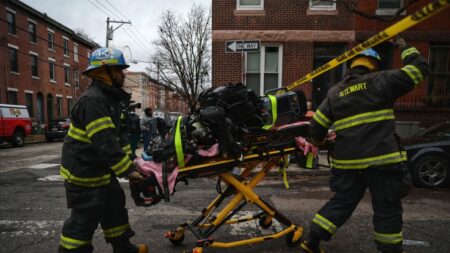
(239, 46)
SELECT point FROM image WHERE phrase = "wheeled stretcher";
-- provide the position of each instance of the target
(271, 150)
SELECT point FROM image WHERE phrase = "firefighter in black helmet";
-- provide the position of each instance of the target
(95, 153)
(366, 153)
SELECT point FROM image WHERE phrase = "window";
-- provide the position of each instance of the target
(89, 54)
(11, 20)
(66, 74)
(34, 65)
(13, 61)
(58, 106)
(32, 31)
(12, 97)
(50, 38)
(262, 77)
(322, 5)
(438, 85)
(66, 47)
(388, 7)
(250, 4)
(69, 105)
(75, 52)
(52, 71)
(29, 103)
(76, 79)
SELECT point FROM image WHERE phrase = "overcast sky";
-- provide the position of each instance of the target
(90, 15)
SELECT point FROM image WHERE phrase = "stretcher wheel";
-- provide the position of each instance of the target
(177, 242)
(289, 242)
(263, 222)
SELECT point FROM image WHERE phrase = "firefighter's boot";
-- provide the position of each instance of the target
(311, 245)
(125, 246)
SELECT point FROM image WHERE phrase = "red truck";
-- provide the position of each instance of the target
(15, 124)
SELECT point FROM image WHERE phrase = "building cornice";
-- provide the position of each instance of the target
(284, 35)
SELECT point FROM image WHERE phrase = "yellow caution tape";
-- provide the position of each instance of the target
(426, 12)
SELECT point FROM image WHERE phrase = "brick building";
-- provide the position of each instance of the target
(41, 61)
(147, 91)
(298, 36)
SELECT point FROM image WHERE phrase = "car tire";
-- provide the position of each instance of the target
(18, 139)
(431, 171)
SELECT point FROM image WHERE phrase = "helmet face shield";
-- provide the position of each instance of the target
(106, 57)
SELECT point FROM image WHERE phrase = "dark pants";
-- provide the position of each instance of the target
(387, 184)
(104, 205)
(134, 140)
(147, 137)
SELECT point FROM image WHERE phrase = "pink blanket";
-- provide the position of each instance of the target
(147, 168)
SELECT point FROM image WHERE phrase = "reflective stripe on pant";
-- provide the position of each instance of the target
(79, 228)
(387, 184)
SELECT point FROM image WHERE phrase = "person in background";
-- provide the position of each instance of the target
(148, 127)
(366, 154)
(134, 130)
(95, 153)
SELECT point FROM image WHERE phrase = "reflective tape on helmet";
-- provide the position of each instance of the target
(179, 144)
(273, 105)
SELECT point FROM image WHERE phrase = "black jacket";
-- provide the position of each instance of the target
(360, 110)
(96, 148)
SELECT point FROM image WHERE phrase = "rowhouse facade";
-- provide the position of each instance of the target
(41, 62)
(297, 36)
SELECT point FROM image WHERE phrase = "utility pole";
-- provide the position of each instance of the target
(110, 30)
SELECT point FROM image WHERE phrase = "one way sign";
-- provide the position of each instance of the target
(238, 46)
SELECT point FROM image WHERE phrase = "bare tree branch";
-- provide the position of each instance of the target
(183, 55)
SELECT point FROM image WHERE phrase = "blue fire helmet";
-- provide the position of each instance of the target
(106, 57)
(370, 53)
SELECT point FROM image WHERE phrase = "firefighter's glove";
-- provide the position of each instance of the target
(135, 177)
(399, 42)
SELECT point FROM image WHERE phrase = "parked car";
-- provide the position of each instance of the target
(429, 156)
(57, 129)
(15, 124)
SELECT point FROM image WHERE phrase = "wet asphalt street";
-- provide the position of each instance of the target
(32, 211)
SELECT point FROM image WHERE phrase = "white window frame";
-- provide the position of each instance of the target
(75, 52)
(53, 39)
(388, 12)
(262, 60)
(64, 49)
(66, 68)
(59, 111)
(52, 80)
(246, 7)
(76, 78)
(321, 7)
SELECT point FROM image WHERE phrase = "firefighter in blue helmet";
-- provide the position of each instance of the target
(95, 153)
(366, 154)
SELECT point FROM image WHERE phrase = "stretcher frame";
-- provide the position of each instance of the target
(240, 189)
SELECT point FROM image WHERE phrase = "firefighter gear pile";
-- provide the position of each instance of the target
(366, 152)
